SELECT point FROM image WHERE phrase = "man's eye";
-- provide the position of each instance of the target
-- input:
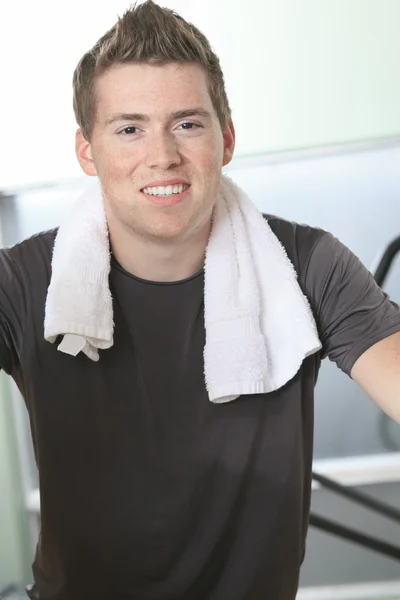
(189, 125)
(128, 130)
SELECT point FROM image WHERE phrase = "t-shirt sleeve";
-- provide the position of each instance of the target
(351, 310)
(12, 311)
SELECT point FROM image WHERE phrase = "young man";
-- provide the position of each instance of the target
(148, 490)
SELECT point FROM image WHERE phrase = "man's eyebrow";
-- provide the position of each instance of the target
(191, 112)
(126, 117)
(139, 117)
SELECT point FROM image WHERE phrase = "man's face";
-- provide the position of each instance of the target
(156, 132)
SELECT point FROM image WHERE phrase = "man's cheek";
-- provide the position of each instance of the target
(117, 170)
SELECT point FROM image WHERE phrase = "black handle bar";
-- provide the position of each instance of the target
(386, 261)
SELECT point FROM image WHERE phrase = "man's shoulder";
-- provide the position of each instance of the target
(36, 249)
(298, 239)
(25, 273)
(28, 261)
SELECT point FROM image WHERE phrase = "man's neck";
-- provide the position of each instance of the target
(163, 261)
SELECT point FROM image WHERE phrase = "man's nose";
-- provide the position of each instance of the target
(162, 151)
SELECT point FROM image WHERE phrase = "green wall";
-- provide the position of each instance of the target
(304, 73)
(15, 555)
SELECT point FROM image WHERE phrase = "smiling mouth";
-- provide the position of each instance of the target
(165, 191)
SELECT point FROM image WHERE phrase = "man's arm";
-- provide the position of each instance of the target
(12, 311)
(377, 371)
(359, 325)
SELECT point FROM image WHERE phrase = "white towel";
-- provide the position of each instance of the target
(259, 325)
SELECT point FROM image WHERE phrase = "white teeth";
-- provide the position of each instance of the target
(168, 190)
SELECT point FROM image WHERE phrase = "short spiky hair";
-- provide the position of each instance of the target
(146, 33)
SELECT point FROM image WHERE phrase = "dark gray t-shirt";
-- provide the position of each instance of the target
(148, 490)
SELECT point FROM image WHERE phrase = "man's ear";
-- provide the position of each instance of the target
(229, 143)
(84, 154)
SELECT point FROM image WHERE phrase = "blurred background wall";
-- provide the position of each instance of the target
(299, 73)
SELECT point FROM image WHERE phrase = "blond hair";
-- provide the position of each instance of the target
(146, 33)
